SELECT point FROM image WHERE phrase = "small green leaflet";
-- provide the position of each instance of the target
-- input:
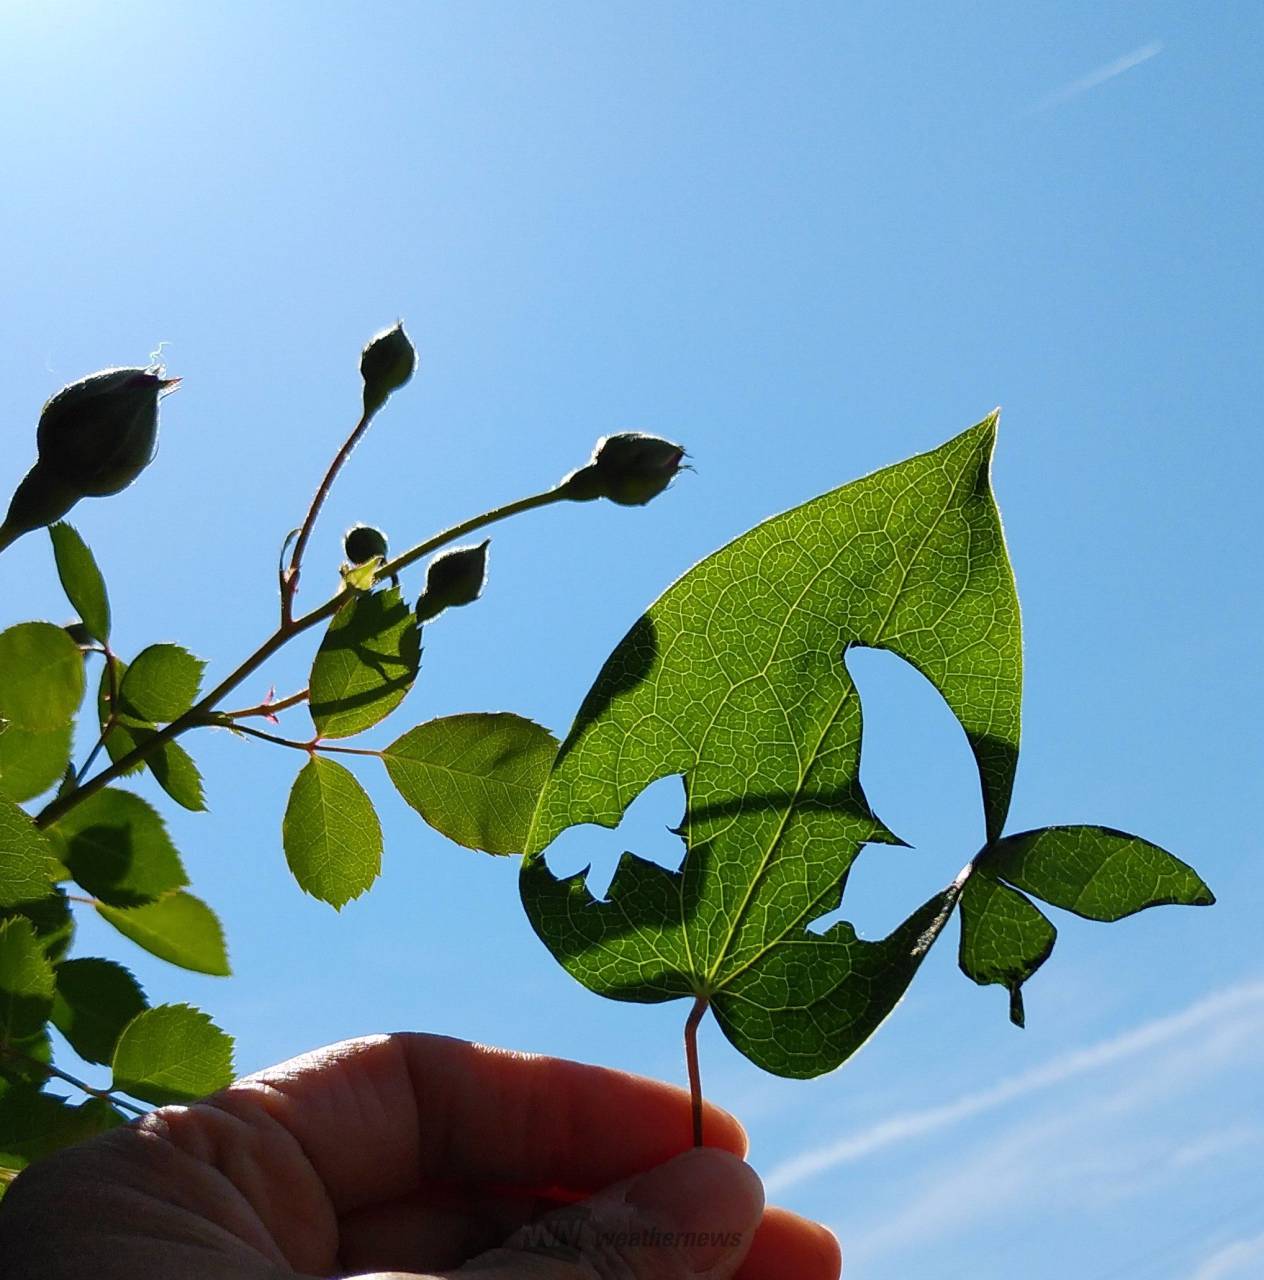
(34, 1124)
(27, 861)
(736, 680)
(173, 768)
(81, 580)
(331, 834)
(365, 665)
(50, 916)
(475, 777)
(116, 846)
(32, 762)
(178, 928)
(172, 1053)
(161, 683)
(41, 676)
(26, 981)
(95, 1000)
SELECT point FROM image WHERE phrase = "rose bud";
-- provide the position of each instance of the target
(453, 578)
(385, 365)
(629, 468)
(364, 543)
(94, 438)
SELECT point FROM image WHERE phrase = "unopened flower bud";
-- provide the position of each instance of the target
(363, 543)
(454, 578)
(94, 438)
(629, 468)
(385, 365)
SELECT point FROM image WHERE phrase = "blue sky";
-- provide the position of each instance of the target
(807, 240)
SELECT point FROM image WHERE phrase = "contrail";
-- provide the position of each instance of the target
(1101, 75)
(914, 1124)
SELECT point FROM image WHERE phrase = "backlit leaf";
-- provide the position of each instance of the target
(50, 916)
(735, 679)
(41, 676)
(116, 846)
(32, 762)
(34, 1124)
(172, 1053)
(1004, 938)
(81, 579)
(474, 777)
(365, 665)
(331, 833)
(27, 861)
(94, 1001)
(26, 981)
(161, 683)
(1097, 872)
(178, 928)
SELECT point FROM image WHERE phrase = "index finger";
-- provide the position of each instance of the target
(381, 1116)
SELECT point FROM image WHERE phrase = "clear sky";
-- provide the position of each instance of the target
(807, 240)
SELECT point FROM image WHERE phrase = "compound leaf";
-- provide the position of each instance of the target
(161, 683)
(475, 777)
(1096, 872)
(365, 665)
(178, 928)
(81, 579)
(331, 833)
(95, 1000)
(116, 846)
(735, 679)
(172, 1053)
(41, 676)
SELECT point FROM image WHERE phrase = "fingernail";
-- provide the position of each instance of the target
(709, 1200)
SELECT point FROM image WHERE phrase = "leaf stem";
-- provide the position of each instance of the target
(691, 1061)
(289, 579)
(58, 1074)
(267, 708)
(110, 721)
(202, 711)
(315, 745)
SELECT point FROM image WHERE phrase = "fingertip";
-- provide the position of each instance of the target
(789, 1245)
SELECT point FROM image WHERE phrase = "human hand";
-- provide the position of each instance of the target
(411, 1156)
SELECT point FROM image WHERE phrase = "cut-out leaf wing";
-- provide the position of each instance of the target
(735, 679)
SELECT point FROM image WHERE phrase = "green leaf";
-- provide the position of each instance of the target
(81, 580)
(41, 676)
(173, 768)
(366, 663)
(172, 1053)
(161, 683)
(34, 1124)
(119, 741)
(50, 916)
(475, 778)
(27, 861)
(1004, 938)
(178, 928)
(116, 846)
(331, 834)
(26, 981)
(1097, 872)
(735, 679)
(36, 1052)
(95, 1000)
(31, 762)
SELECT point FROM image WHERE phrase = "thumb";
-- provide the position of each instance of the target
(692, 1218)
